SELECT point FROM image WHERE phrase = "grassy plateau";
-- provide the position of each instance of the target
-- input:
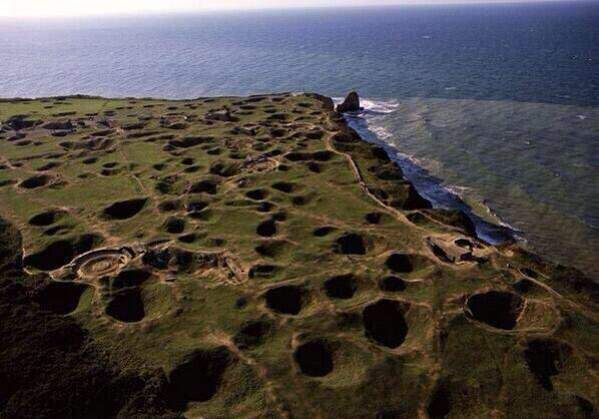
(253, 257)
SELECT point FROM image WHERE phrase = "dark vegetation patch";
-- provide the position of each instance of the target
(60, 297)
(545, 357)
(199, 376)
(392, 284)
(253, 333)
(46, 218)
(350, 244)
(36, 181)
(384, 323)
(267, 228)
(499, 309)
(314, 358)
(61, 252)
(50, 367)
(286, 299)
(127, 306)
(341, 286)
(123, 210)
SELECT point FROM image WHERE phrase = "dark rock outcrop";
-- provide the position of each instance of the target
(350, 104)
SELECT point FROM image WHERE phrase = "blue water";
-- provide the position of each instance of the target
(499, 103)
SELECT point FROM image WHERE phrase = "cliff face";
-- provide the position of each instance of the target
(270, 263)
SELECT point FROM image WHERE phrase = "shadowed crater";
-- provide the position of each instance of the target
(499, 309)
(60, 297)
(314, 358)
(127, 306)
(252, 333)
(174, 225)
(384, 323)
(257, 194)
(350, 244)
(123, 210)
(267, 228)
(323, 231)
(439, 405)
(199, 375)
(341, 286)
(61, 252)
(36, 181)
(392, 284)
(406, 263)
(287, 299)
(46, 218)
(544, 358)
(130, 278)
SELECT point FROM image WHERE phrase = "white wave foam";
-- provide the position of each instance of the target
(378, 106)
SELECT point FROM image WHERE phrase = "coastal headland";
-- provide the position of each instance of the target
(254, 257)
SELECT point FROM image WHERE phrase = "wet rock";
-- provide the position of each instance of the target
(350, 104)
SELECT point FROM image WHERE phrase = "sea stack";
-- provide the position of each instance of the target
(350, 104)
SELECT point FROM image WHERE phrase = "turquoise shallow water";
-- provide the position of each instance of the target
(498, 102)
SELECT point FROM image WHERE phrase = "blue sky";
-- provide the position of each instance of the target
(41, 8)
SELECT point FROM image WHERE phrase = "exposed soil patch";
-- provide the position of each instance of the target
(499, 309)
(36, 181)
(314, 358)
(350, 244)
(123, 210)
(392, 284)
(545, 357)
(267, 228)
(252, 333)
(127, 306)
(287, 299)
(60, 297)
(384, 323)
(46, 218)
(341, 286)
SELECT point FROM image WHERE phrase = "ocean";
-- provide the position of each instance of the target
(493, 108)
